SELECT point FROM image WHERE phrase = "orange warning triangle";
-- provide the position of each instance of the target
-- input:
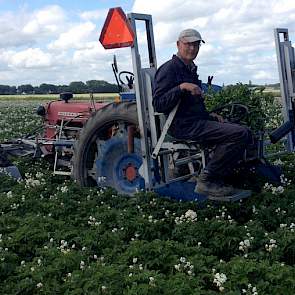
(116, 31)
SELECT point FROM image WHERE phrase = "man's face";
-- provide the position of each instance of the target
(188, 51)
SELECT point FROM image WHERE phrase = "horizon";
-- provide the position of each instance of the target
(114, 83)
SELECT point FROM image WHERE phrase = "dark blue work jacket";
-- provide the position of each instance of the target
(167, 93)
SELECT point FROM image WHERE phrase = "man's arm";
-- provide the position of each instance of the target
(167, 92)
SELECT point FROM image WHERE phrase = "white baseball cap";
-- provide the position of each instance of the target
(190, 35)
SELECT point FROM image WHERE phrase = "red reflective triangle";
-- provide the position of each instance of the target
(116, 31)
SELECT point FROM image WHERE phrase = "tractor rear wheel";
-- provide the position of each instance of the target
(102, 154)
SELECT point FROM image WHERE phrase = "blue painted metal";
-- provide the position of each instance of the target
(271, 172)
(214, 87)
(181, 190)
(12, 171)
(127, 96)
(113, 158)
(124, 161)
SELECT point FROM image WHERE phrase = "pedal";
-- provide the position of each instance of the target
(242, 194)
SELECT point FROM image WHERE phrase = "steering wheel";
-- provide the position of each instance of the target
(129, 78)
(232, 112)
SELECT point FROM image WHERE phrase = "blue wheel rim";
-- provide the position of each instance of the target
(113, 160)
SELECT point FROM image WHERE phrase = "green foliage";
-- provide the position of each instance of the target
(27, 88)
(101, 86)
(262, 106)
(59, 238)
(6, 89)
(95, 86)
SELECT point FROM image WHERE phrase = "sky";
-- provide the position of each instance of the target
(58, 41)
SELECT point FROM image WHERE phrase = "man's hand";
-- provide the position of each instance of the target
(218, 117)
(192, 88)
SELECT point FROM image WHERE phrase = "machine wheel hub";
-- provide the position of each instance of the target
(130, 172)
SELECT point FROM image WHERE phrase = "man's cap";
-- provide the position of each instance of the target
(190, 35)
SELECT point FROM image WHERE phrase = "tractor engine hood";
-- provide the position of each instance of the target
(57, 111)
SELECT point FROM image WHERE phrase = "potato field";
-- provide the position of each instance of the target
(59, 238)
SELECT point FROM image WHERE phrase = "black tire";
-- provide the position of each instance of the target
(95, 130)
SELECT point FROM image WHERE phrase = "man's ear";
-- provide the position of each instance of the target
(177, 43)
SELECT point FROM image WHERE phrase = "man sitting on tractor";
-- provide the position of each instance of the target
(177, 79)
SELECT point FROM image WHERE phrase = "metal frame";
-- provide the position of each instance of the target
(164, 131)
(141, 95)
(286, 68)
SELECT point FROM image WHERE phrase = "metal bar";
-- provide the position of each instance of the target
(188, 159)
(276, 154)
(56, 152)
(64, 143)
(130, 147)
(151, 45)
(182, 177)
(62, 173)
(164, 131)
(148, 77)
(179, 146)
(289, 57)
(141, 99)
(282, 61)
(72, 128)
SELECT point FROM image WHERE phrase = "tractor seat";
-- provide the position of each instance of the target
(170, 138)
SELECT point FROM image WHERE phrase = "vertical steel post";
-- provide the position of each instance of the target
(141, 95)
(286, 68)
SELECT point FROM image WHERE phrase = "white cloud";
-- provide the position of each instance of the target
(29, 58)
(46, 20)
(239, 34)
(262, 75)
(10, 31)
(25, 28)
(50, 45)
(76, 37)
(283, 6)
(176, 10)
(99, 14)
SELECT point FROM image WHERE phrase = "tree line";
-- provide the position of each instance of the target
(95, 86)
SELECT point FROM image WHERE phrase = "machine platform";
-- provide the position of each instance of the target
(233, 198)
(184, 191)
